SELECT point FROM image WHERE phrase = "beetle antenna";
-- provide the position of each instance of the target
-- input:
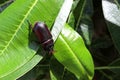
(30, 25)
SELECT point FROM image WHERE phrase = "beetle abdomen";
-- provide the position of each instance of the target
(44, 36)
(42, 32)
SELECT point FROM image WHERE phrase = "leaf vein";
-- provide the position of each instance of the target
(22, 21)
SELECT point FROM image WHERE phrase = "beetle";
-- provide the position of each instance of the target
(44, 36)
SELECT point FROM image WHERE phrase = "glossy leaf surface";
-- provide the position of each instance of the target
(16, 49)
(112, 15)
(72, 53)
(59, 72)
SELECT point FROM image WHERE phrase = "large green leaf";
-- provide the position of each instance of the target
(61, 18)
(16, 50)
(59, 72)
(111, 12)
(80, 19)
(70, 51)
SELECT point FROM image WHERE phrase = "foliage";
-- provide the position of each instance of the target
(91, 28)
(106, 45)
(17, 50)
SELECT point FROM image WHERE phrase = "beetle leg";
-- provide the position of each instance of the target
(30, 25)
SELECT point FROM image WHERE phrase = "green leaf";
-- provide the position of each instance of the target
(80, 19)
(56, 70)
(5, 4)
(114, 67)
(72, 53)
(61, 18)
(85, 27)
(22, 70)
(16, 50)
(76, 13)
(116, 64)
(52, 76)
(59, 72)
(111, 12)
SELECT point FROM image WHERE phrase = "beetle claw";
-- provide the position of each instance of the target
(30, 25)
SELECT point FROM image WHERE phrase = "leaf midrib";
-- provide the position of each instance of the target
(19, 26)
(83, 69)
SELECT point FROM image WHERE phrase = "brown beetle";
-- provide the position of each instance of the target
(44, 36)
